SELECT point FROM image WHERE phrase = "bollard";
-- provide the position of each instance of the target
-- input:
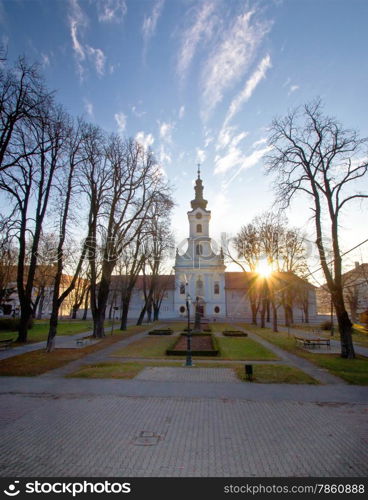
(249, 372)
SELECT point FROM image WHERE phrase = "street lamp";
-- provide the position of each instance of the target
(189, 335)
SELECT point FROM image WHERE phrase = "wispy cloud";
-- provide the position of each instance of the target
(83, 52)
(231, 58)
(45, 59)
(121, 121)
(138, 113)
(293, 88)
(166, 129)
(200, 28)
(164, 155)
(181, 112)
(200, 155)
(111, 11)
(260, 142)
(244, 162)
(88, 106)
(146, 140)
(233, 156)
(150, 23)
(250, 85)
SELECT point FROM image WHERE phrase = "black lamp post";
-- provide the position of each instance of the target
(189, 335)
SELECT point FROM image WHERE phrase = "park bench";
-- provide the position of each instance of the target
(312, 342)
(6, 344)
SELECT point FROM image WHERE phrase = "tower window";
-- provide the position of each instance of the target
(199, 249)
(182, 289)
(216, 288)
(199, 228)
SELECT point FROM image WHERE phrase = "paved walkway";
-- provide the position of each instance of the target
(117, 428)
(180, 422)
(60, 341)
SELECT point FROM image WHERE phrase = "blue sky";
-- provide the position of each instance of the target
(200, 81)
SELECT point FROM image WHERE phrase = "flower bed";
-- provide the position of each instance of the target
(201, 345)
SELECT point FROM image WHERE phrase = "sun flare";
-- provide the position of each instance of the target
(264, 269)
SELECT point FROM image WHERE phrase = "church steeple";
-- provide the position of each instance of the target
(199, 201)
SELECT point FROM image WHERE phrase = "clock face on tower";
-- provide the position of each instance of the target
(199, 215)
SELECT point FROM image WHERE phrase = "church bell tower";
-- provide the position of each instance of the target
(199, 271)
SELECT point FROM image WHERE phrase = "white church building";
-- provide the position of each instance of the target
(201, 272)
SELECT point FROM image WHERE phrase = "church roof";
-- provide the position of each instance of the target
(166, 280)
(241, 280)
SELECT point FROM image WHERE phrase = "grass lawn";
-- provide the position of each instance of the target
(360, 335)
(243, 348)
(38, 362)
(40, 329)
(148, 347)
(266, 374)
(354, 371)
(230, 348)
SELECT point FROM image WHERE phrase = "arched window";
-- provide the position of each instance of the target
(199, 228)
(216, 288)
(182, 288)
(199, 249)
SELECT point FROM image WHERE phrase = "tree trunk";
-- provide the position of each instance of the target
(52, 330)
(85, 312)
(124, 314)
(254, 309)
(141, 316)
(274, 317)
(345, 326)
(268, 318)
(156, 313)
(263, 313)
(40, 304)
(24, 321)
(99, 321)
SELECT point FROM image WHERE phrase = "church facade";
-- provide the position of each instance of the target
(200, 275)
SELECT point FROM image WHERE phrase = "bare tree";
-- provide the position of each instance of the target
(8, 259)
(129, 266)
(29, 184)
(314, 155)
(248, 248)
(159, 241)
(133, 185)
(67, 190)
(23, 97)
